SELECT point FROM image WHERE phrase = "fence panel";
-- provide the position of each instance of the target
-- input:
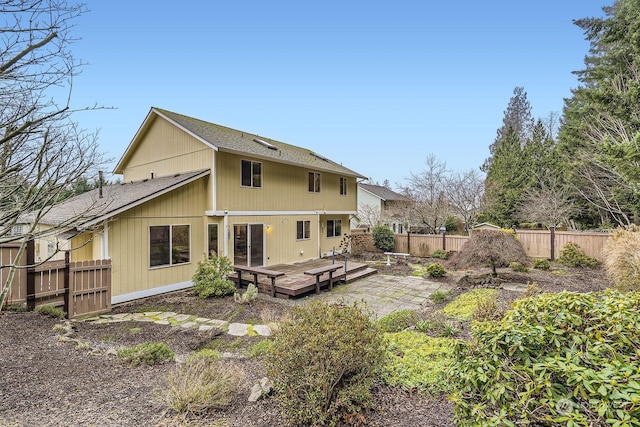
(8, 256)
(90, 288)
(592, 243)
(49, 285)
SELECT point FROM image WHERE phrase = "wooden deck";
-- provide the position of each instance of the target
(295, 282)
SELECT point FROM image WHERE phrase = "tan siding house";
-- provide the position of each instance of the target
(191, 187)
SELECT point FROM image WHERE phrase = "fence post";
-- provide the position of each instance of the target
(552, 235)
(408, 242)
(444, 240)
(66, 281)
(31, 275)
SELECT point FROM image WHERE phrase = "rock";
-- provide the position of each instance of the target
(263, 388)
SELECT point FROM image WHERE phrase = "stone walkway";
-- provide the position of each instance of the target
(382, 293)
(170, 318)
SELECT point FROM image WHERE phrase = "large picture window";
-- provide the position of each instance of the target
(334, 228)
(169, 245)
(314, 182)
(251, 174)
(304, 230)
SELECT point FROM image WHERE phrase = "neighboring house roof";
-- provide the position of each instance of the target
(87, 209)
(486, 225)
(384, 193)
(221, 138)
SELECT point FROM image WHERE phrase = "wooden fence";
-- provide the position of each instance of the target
(79, 288)
(536, 243)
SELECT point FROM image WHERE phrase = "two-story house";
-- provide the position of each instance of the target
(379, 205)
(192, 188)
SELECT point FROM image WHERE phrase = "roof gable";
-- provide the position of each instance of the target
(238, 142)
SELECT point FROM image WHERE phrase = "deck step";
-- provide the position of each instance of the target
(359, 274)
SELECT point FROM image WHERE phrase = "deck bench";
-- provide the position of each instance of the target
(256, 271)
(331, 268)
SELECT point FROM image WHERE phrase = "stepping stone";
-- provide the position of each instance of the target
(121, 316)
(201, 320)
(262, 330)
(166, 315)
(237, 329)
(181, 317)
(162, 322)
(152, 313)
(187, 325)
(218, 323)
(204, 328)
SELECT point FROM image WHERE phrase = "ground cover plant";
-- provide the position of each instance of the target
(148, 353)
(555, 359)
(465, 305)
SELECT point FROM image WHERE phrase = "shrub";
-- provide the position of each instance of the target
(51, 311)
(439, 297)
(397, 321)
(622, 258)
(541, 264)
(383, 238)
(573, 255)
(439, 253)
(516, 266)
(464, 306)
(435, 269)
(248, 297)
(490, 248)
(532, 290)
(558, 359)
(437, 325)
(323, 362)
(202, 383)
(488, 309)
(148, 353)
(212, 278)
(417, 362)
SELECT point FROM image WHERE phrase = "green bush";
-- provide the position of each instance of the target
(439, 297)
(541, 264)
(383, 238)
(323, 362)
(439, 253)
(51, 311)
(148, 353)
(437, 325)
(622, 258)
(397, 321)
(248, 297)
(465, 305)
(212, 278)
(573, 255)
(564, 358)
(435, 269)
(516, 266)
(417, 362)
(201, 383)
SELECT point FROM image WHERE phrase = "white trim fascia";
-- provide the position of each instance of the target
(277, 213)
(182, 128)
(143, 200)
(150, 292)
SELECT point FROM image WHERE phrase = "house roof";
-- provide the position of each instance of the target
(221, 138)
(384, 193)
(87, 209)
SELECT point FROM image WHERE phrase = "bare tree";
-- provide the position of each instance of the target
(369, 215)
(42, 150)
(548, 203)
(464, 195)
(427, 189)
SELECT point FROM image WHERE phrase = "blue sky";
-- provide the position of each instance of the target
(376, 86)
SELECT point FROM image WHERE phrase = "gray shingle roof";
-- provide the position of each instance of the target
(88, 208)
(384, 193)
(239, 142)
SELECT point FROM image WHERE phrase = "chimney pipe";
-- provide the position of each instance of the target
(100, 184)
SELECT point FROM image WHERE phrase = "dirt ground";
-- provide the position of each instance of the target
(48, 382)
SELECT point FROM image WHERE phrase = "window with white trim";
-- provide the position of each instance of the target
(303, 230)
(169, 245)
(314, 182)
(251, 174)
(343, 186)
(334, 227)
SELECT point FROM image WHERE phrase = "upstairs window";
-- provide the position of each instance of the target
(303, 230)
(343, 186)
(334, 228)
(251, 174)
(314, 182)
